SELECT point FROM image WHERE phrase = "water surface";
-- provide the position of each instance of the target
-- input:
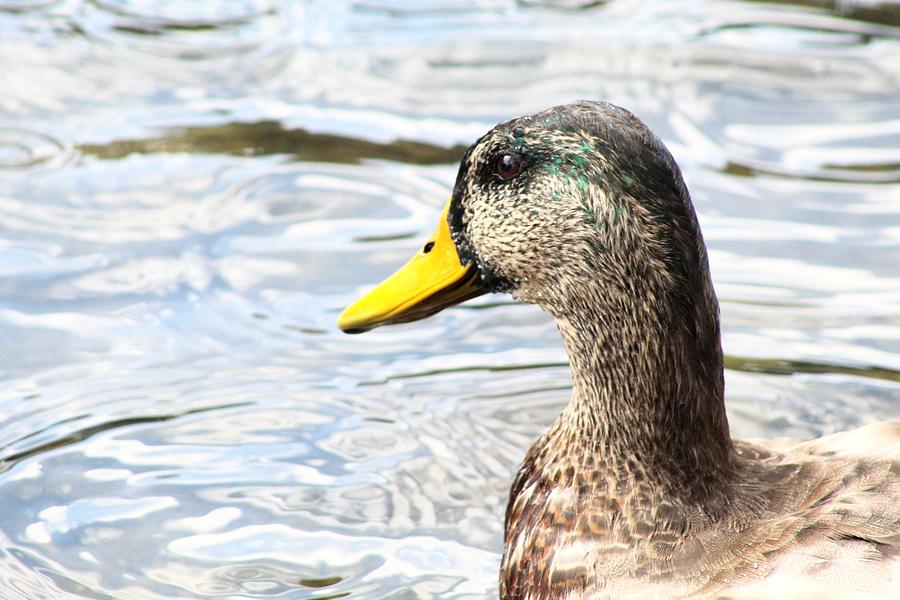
(191, 191)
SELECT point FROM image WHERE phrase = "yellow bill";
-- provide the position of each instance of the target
(431, 281)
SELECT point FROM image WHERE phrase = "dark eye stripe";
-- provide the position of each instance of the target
(508, 166)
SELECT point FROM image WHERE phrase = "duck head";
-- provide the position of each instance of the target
(578, 206)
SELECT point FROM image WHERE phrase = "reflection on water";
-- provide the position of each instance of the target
(878, 13)
(25, 149)
(269, 137)
(192, 191)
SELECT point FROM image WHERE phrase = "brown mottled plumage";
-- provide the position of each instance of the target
(637, 489)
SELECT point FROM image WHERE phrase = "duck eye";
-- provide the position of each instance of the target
(508, 166)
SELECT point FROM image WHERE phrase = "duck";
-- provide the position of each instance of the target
(637, 489)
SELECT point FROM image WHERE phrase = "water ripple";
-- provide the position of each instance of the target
(15, 6)
(23, 149)
(191, 15)
(183, 30)
(191, 192)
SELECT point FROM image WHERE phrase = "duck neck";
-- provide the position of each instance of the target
(647, 394)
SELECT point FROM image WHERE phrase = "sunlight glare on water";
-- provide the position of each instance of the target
(191, 192)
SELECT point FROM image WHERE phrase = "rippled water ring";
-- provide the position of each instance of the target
(218, 31)
(189, 15)
(25, 148)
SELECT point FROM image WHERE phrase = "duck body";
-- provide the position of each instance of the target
(803, 520)
(637, 489)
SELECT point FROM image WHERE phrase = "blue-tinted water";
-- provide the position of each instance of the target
(191, 191)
